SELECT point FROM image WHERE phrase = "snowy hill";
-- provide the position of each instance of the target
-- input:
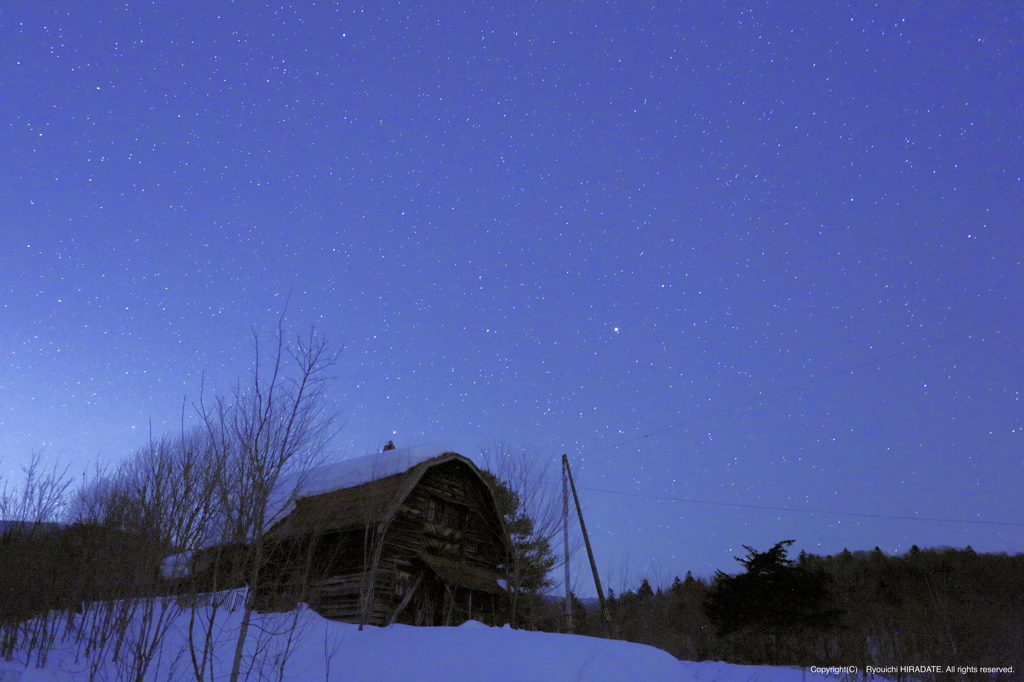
(326, 650)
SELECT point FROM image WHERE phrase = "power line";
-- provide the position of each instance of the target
(804, 384)
(805, 511)
(790, 389)
(785, 509)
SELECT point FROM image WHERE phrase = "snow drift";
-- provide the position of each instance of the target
(319, 650)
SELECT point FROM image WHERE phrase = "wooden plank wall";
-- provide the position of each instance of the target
(463, 529)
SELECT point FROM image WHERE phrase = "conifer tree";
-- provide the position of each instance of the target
(532, 559)
(774, 598)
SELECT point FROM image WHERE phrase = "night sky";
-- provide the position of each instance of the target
(650, 236)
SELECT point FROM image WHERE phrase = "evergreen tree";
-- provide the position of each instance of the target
(580, 622)
(527, 570)
(773, 599)
(677, 586)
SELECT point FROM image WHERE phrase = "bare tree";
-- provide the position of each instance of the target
(531, 507)
(276, 425)
(177, 481)
(39, 499)
(185, 499)
(157, 506)
(28, 516)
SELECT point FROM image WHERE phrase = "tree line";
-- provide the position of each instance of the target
(956, 606)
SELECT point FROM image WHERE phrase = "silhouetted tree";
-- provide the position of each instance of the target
(532, 515)
(269, 431)
(770, 603)
(532, 559)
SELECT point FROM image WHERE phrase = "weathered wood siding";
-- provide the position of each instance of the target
(448, 514)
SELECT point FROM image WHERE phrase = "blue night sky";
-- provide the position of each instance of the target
(568, 224)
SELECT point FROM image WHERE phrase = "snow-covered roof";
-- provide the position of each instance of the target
(353, 472)
(324, 479)
(346, 474)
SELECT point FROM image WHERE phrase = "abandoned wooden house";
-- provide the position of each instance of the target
(416, 541)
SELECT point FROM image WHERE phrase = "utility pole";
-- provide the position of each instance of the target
(607, 617)
(565, 537)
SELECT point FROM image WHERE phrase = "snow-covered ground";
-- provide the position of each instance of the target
(473, 652)
(303, 647)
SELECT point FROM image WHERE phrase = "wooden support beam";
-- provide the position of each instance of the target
(406, 598)
(586, 538)
(565, 537)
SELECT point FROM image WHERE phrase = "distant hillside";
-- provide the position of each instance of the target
(955, 605)
(45, 526)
